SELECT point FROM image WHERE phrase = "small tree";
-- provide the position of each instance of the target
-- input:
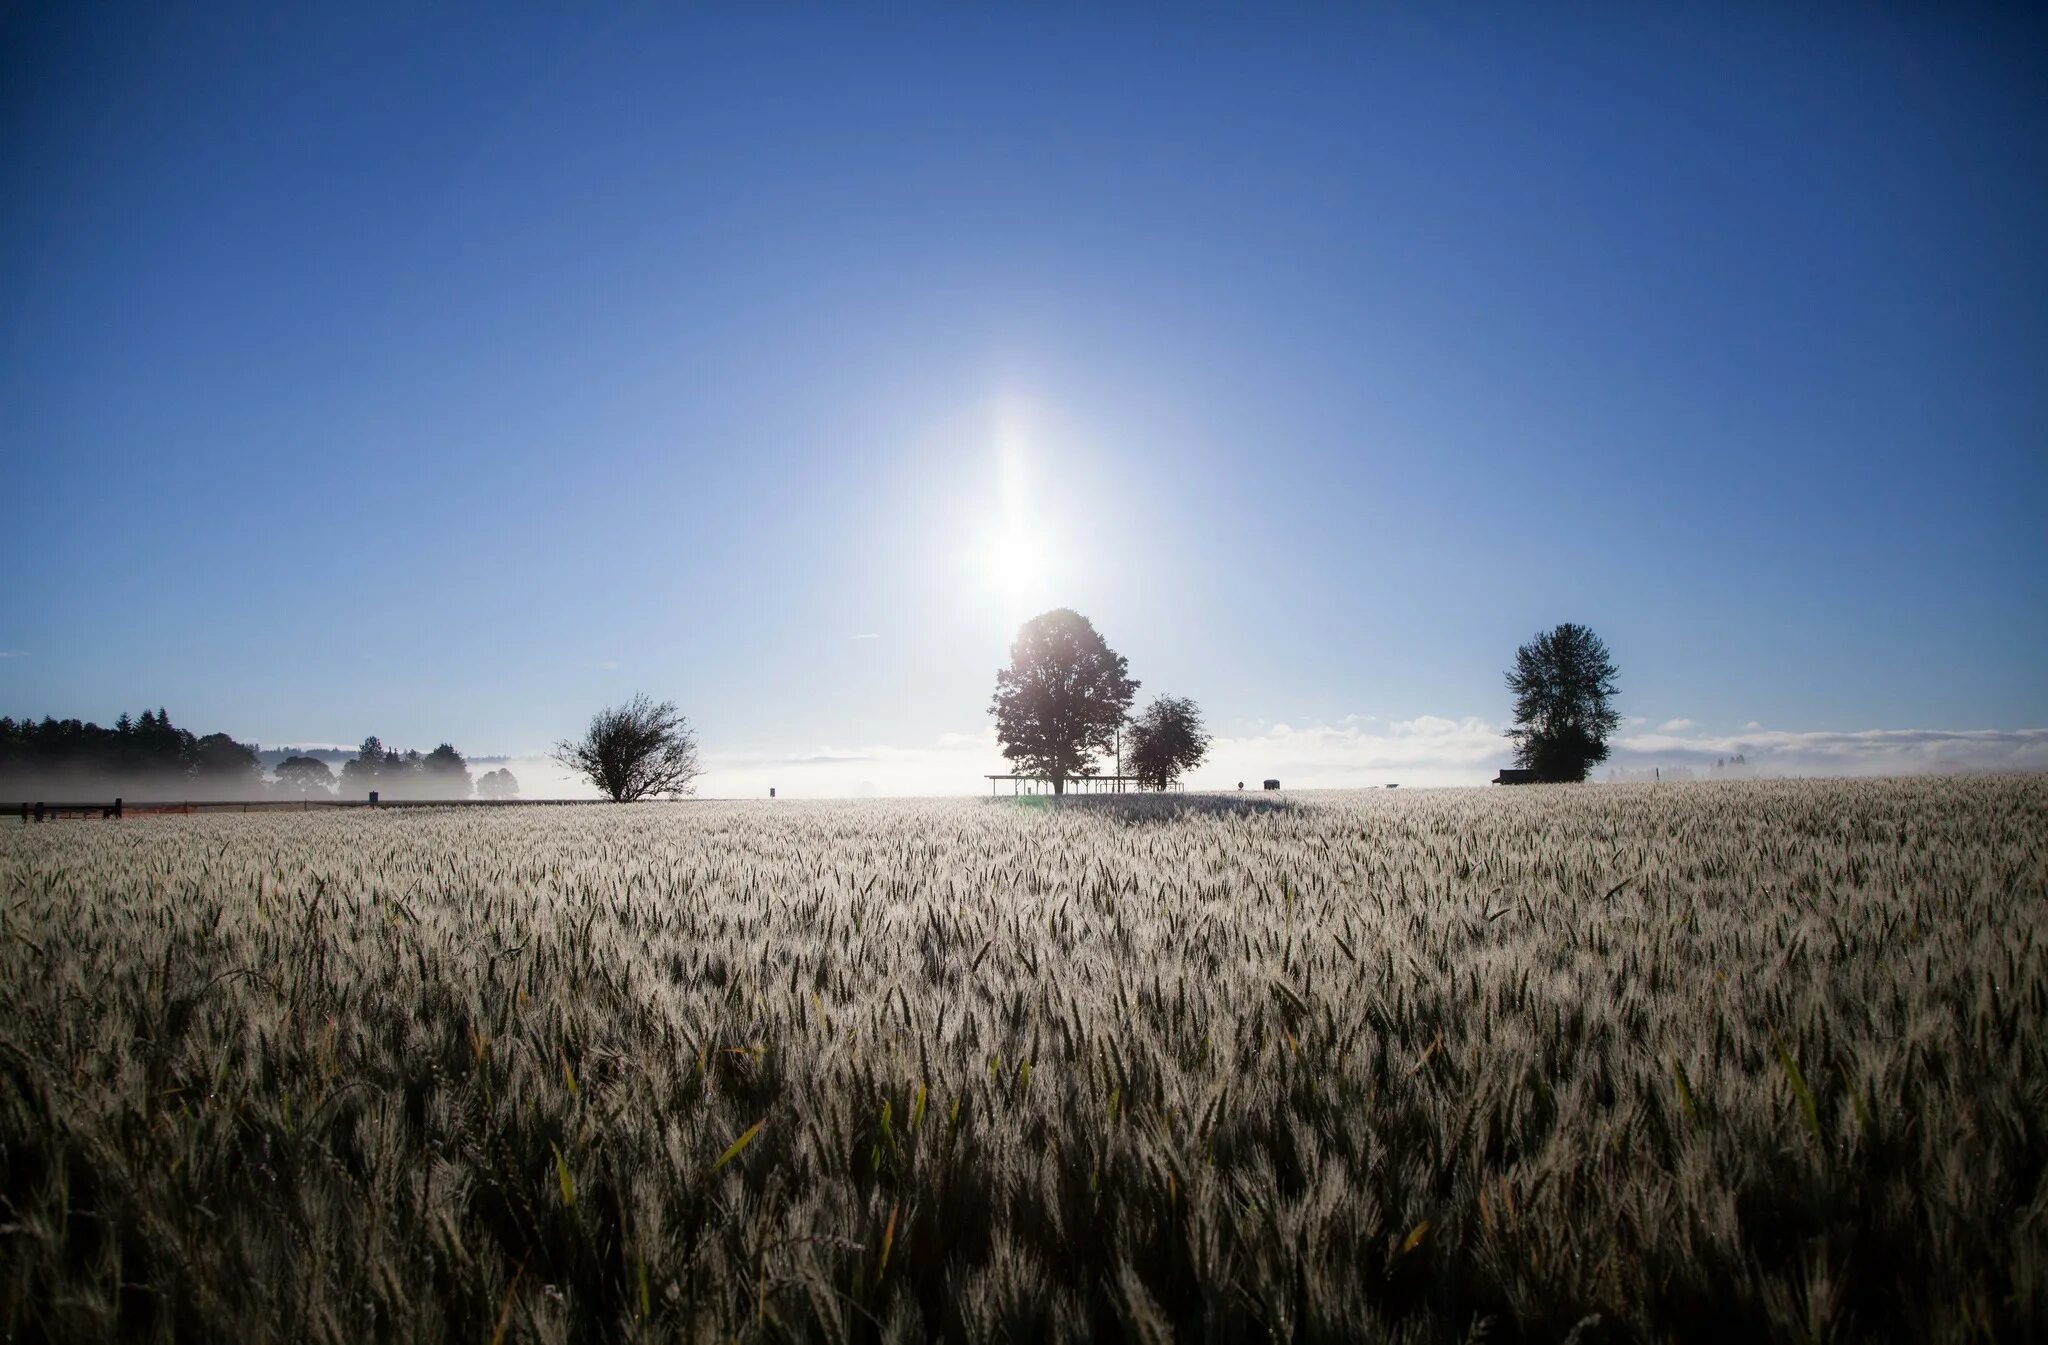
(1166, 741)
(1563, 683)
(304, 778)
(1063, 697)
(497, 784)
(635, 751)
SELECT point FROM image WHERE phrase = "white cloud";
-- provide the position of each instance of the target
(1675, 726)
(13, 653)
(868, 635)
(1353, 753)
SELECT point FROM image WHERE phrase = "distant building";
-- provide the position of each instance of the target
(1515, 775)
(1272, 784)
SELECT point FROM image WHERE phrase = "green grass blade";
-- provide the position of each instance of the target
(1800, 1090)
(733, 1151)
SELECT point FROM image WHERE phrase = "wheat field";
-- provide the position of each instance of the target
(1759, 1060)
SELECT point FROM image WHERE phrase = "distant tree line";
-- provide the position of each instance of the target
(137, 756)
(148, 757)
(441, 774)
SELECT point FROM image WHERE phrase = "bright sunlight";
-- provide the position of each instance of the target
(1016, 560)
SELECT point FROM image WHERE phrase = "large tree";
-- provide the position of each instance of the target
(1563, 683)
(1060, 702)
(635, 751)
(1166, 741)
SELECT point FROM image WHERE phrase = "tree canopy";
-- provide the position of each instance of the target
(1060, 702)
(1563, 684)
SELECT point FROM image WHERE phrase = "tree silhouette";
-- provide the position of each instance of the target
(304, 777)
(635, 751)
(222, 766)
(1063, 697)
(146, 757)
(360, 774)
(1166, 741)
(445, 774)
(1563, 681)
(497, 784)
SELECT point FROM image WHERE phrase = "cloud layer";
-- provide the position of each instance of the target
(1863, 752)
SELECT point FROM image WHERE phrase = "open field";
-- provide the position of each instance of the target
(1710, 1062)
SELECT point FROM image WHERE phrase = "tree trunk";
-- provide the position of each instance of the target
(1059, 785)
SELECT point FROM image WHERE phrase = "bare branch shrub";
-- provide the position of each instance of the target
(635, 751)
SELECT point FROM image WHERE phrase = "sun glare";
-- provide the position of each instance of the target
(1014, 558)
(1012, 567)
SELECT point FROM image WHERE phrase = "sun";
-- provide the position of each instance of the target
(1012, 567)
(1015, 560)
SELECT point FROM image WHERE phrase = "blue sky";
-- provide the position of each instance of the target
(445, 374)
